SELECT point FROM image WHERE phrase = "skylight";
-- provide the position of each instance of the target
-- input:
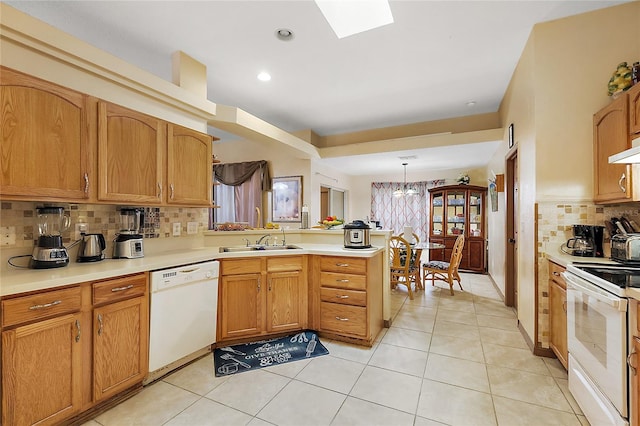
(348, 17)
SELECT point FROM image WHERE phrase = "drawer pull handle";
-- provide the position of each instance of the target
(564, 306)
(258, 285)
(633, 368)
(78, 329)
(46, 305)
(342, 281)
(100, 324)
(339, 296)
(171, 188)
(116, 289)
(556, 274)
(342, 265)
(159, 190)
(86, 183)
(342, 319)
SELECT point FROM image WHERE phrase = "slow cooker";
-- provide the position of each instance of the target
(356, 235)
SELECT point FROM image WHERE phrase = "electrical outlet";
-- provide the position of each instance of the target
(192, 228)
(81, 228)
(7, 235)
(176, 228)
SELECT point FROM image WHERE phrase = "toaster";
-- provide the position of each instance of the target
(625, 248)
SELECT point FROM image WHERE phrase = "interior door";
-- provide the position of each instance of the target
(511, 272)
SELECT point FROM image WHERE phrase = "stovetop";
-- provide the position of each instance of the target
(615, 278)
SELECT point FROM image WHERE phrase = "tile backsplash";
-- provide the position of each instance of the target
(19, 228)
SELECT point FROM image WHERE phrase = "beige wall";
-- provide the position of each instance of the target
(559, 83)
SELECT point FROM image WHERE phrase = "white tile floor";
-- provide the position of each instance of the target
(457, 360)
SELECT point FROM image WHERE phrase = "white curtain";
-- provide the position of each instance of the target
(397, 212)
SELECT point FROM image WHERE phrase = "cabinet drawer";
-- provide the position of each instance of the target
(346, 297)
(349, 265)
(284, 263)
(554, 273)
(348, 281)
(240, 266)
(39, 306)
(119, 288)
(343, 319)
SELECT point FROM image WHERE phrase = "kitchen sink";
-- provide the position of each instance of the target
(235, 249)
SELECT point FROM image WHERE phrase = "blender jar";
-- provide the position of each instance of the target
(130, 221)
(52, 221)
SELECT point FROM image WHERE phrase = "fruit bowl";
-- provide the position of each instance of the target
(331, 222)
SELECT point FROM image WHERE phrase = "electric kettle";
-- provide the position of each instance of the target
(91, 248)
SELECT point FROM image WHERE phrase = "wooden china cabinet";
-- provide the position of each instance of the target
(459, 210)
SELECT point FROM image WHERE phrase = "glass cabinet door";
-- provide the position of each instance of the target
(475, 214)
(437, 214)
(456, 215)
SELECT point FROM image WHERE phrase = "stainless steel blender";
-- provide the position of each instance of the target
(128, 242)
(49, 251)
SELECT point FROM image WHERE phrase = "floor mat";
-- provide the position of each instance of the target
(251, 356)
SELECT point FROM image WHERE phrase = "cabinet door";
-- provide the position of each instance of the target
(240, 313)
(120, 346)
(285, 301)
(475, 255)
(44, 149)
(456, 212)
(634, 380)
(189, 168)
(634, 110)
(437, 214)
(558, 321)
(613, 182)
(130, 159)
(41, 371)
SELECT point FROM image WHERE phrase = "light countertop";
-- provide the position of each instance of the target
(563, 259)
(15, 280)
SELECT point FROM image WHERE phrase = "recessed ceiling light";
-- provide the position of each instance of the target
(264, 76)
(284, 34)
(471, 103)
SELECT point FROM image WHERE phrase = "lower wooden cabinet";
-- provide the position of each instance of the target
(262, 295)
(42, 371)
(66, 350)
(558, 313)
(347, 297)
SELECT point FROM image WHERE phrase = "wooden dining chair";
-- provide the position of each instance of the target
(445, 271)
(400, 264)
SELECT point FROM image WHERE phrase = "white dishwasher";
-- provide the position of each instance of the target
(183, 312)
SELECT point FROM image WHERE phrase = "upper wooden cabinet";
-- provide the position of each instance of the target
(43, 141)
(189, 170)
(458, 210)
(130, 155)
(634, 110)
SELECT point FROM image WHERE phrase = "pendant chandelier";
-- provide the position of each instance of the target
(405, 191)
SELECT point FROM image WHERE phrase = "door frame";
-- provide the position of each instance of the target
(511, 261)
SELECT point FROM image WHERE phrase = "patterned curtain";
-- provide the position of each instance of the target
(396, 212)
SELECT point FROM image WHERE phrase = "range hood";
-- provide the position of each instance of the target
(628, 156)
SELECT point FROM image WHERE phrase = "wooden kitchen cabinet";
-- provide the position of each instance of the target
(67, 350)
(459, 210)
(347, 297)
(634, 110)
(189, 169)
(42, 360)
(613, 183)
(558, 313)
(44, 153)
(131, 148)
(262, 295)
(120, 335)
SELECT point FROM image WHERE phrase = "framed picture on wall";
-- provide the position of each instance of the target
(287, 199)
(511, 135)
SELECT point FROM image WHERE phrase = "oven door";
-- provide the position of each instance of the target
(597, 337)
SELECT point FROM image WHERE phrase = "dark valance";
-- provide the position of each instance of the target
(234, 174)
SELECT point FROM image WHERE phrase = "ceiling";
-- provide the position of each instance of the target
(436, 58)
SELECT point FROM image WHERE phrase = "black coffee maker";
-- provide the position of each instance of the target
(586, 241)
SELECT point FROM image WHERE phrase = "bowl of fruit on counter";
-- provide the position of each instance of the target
(332, 222)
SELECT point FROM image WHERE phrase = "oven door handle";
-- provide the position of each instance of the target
(574, 283)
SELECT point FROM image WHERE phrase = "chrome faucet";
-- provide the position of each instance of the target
(284, 238)
(262, 239)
